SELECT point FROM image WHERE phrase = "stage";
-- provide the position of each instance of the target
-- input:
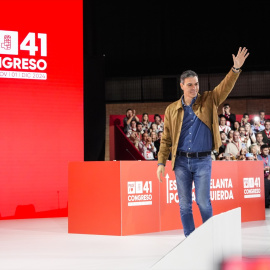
(45, 244)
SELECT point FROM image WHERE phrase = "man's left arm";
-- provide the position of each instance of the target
(221, 92)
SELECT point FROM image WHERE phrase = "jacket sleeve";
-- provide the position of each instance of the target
(166, 140)
(221, 92)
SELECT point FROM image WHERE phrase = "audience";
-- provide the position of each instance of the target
(240, 140)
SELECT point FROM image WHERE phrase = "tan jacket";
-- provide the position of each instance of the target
(205, 107)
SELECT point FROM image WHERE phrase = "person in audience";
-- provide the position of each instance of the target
(253, 149)
(158, 121)
(266, 132)
(256, 126)
(249, 133)
(226, 157)
(235, 146)
(223, 126)
(245, 119)
(230, 117)
(236, 125)
(243, 137)
(154, 128)
(146, 147)
(265, 157)
(157, 142)
(262, 117)
(154, 136)
(249, 156)
(242, 155)
(224, 142)
(135, 133)
(130, 115)
(146, 124)
(230, 135)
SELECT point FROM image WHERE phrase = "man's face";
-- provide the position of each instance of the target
(190, 87)
(157, 120)
(259, 137)
(227, 108)
(222, 121)
(242, 131)
(139, 127)
(133, 124)
(160, 135)
(129, 113)
(246, 117)
(145, 136)
(247, 127)
(265, 151)
(267, 125)
(154, 127)
(262, 114)
(223, 136)
(236, 136)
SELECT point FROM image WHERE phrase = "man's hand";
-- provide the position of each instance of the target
(240, 58)
(160, 170)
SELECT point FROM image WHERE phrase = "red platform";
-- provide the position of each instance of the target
(125, 197)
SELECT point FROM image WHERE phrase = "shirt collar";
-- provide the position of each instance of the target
(192, 102)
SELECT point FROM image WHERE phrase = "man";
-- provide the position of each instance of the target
(262, 115)
(130, 115)
(265, 157)
(190, 132)
(223, 126)
(230, 117)
(235, 146)
(147, 148)
(157, 142)
(266, 132)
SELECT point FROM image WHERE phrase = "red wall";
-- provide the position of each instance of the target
(41, 119)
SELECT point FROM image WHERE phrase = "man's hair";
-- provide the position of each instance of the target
(264, 146)
(157, 115)
(258, 133)
(261, 111)
(227, 104)
(267, 121)
(245, 114)
(187, 74)
(138, 123)
(128, 110)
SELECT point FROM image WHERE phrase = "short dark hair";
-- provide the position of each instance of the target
(245, 114)
(158, 116)
(187, 74)
(261, 111)
(258, 134)
(264, 146)
(267, 121)
(227, 104)
(138, 123)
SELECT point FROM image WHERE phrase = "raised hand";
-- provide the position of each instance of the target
(240, 58)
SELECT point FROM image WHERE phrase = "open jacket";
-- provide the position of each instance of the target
(205, 108)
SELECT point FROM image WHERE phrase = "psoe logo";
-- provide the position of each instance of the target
(139, 193)
(23, 67)
(252, 187)
(9, 42)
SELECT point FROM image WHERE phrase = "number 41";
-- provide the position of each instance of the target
(29, 44)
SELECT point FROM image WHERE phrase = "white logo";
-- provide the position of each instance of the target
(139, 193)
(18, 67)
(9, 42)
(252, 187)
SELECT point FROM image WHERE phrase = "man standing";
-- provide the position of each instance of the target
(191, 131)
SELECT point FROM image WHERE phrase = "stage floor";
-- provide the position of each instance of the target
(45, 244)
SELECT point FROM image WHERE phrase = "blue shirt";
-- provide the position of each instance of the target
(195, 135)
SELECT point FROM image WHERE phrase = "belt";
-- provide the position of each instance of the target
(193, 154)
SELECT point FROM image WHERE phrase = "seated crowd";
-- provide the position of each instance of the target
(248, 139)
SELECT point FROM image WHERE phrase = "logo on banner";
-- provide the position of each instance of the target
(18, 67)
(252, 187)
(220, 189)
(139, 193)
